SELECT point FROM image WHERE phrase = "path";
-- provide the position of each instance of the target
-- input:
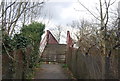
(50, 71)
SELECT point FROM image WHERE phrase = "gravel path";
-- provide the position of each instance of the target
(50, 71)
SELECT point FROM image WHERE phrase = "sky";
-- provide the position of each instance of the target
(63, 12)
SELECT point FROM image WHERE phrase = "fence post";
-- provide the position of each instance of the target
(118, 39)
(119, 9)
(107, 68)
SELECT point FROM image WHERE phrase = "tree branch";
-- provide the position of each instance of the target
(7, 8)
(88, 10)
(8, 53)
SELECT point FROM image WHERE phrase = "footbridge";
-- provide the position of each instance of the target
(51, 50)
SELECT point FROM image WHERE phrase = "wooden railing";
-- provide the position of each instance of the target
(43, 44)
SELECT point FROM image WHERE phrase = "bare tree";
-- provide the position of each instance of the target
(58, 32)
(14, 12)
(104, 21)
(86, 35)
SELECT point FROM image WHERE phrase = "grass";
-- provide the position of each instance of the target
(68, 72)
(64, 66)
(31, 74)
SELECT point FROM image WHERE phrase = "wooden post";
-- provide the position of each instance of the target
(119, 16)
(118, 39)
(1, 55)
(119, 9)
(107, 68)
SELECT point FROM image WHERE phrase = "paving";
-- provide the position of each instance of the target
(50, 71)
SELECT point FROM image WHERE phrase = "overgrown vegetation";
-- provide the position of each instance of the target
(100, 38)
(33, 32)
(64, 65)
(89, 39)
(29, 37)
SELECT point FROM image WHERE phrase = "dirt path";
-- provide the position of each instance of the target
(50, 71)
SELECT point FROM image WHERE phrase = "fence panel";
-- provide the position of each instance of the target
(92, 66)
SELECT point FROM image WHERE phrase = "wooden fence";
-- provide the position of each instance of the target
(16, 69)
(92, 66)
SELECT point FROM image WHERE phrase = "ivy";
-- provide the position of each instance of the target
(8, 44)
(33, 32)
(17, 42)
(20, 41)
(29, 36)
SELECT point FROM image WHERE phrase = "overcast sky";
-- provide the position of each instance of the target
(63, 12)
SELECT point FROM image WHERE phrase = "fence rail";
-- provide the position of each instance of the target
(94, 65)
(43, 44)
